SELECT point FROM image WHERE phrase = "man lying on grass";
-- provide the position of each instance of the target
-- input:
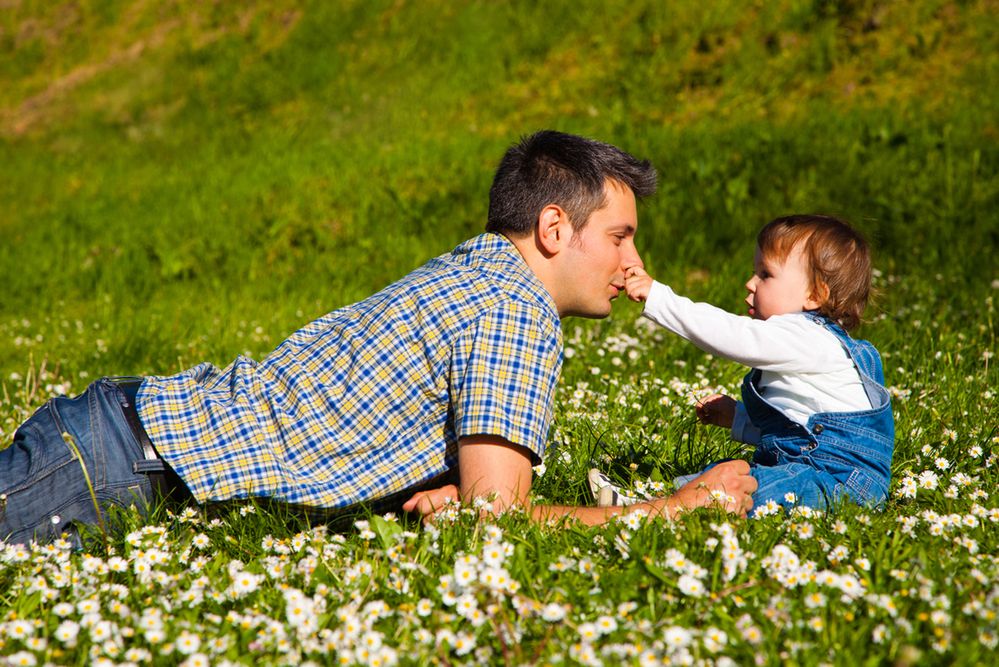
(446, 376)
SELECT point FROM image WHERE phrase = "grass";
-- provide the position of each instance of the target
(184, 181)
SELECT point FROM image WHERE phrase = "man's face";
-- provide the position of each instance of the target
(598, 254)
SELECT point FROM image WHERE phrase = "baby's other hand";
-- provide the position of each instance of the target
(637, 283)
(717, 409)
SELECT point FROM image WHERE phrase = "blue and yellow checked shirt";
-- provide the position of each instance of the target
(371, 399)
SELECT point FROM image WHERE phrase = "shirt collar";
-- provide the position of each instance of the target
(511, 267)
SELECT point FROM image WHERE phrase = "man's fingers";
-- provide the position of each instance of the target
(728, 485)
(410, 504)
(423, 503)
(737, 466)
(739, 503)
(419, 503)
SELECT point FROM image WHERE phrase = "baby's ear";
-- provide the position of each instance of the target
(818, 297)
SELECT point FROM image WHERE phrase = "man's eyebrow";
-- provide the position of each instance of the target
(623, 227)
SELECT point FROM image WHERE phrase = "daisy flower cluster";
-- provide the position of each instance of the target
(469, 591)
(940, 475)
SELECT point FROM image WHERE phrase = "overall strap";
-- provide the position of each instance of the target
(864, 355)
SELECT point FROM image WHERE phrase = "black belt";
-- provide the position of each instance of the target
(165, 482)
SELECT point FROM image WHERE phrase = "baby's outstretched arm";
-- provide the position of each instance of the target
(717, 409)
(637, 283)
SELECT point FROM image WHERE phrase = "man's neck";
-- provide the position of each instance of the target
(540, 263)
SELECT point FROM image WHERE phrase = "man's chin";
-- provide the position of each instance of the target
(606, 311)
(592, 314)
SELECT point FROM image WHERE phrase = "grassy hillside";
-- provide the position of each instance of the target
(234, 161)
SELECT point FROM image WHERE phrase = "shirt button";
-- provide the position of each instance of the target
(818, 428)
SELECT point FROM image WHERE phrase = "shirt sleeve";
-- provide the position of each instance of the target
(743, 429)
(503, 376)
(788, 343)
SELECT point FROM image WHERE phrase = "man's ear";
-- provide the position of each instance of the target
(554, 229)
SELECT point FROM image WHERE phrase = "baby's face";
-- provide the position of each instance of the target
(779, 288)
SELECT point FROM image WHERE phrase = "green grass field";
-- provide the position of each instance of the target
(185, 181)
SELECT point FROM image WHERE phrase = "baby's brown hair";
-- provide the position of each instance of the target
(838, 262)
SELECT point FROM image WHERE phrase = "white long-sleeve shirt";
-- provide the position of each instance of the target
(805, 369)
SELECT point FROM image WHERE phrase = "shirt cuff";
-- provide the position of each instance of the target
(657, 293)
(743, 429)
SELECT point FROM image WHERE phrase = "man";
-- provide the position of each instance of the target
(446, 375)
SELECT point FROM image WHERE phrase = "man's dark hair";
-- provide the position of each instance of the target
(551, 167)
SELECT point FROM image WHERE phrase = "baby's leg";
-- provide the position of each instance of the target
(795, 484)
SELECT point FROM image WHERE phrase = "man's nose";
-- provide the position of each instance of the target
(751, 284)
(630, 258)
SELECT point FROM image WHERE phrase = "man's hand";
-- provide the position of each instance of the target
(637, 283)
(428, 503)
(728, 485)
(717, 409)
(489, 467)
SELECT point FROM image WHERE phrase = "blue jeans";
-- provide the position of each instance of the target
(43, 490)
(811, 486)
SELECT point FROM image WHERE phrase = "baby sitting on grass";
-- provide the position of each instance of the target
(814, 402)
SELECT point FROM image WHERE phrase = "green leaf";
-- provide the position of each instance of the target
(657, 571)
(386, 530)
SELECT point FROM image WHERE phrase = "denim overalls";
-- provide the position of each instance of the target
(837, 453)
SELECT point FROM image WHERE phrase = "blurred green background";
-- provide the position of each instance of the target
(184, 181)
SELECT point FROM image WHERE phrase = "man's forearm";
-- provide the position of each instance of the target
(594, 516)
(728, 486)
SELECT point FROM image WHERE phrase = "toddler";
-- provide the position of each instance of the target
(814, 402)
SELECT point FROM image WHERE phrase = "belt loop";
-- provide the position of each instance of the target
(165, 482)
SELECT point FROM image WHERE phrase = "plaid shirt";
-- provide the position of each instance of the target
(371, 399)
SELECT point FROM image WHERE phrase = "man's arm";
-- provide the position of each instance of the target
(492, 465)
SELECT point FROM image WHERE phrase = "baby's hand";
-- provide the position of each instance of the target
(428, 503)
(717, 409)
(637, 283)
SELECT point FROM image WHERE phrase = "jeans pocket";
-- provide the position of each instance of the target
(863, 488)
(37, 449)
